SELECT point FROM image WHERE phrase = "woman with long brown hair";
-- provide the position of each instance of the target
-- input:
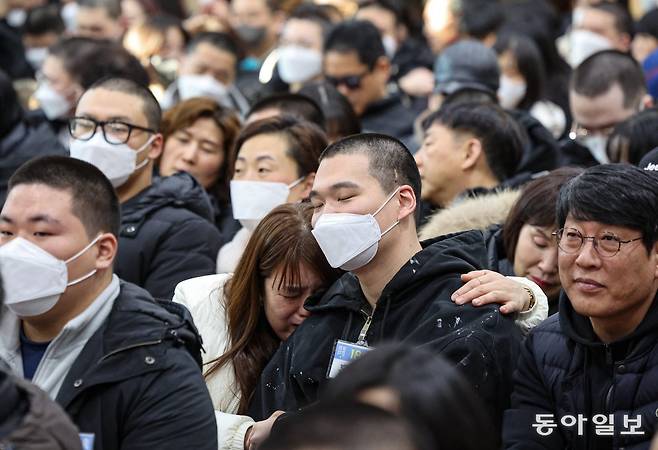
(243, 317)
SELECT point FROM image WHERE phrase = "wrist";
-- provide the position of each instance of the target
(530, 303)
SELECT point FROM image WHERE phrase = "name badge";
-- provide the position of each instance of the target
(344, 353)
(87, 440)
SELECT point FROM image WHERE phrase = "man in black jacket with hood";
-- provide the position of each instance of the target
(398, 289)
(588, 377)
(125, 368)
(166, 234)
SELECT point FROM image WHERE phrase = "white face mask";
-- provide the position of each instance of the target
(510, 92)
(69, 16)
(16, 17)
(34, 279)
(117, 161)
(390, 46)
(597, 145)
(36, 56)
(585, 43)
(190, 86)
(253, 200)
(299, 64)
(350, 241)
(54, 104)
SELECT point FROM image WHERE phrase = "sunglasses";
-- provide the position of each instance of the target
(351, 82)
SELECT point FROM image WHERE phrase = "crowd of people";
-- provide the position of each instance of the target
(336, 224)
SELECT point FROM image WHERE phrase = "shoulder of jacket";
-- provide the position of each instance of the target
(474, 213)
(196, 290)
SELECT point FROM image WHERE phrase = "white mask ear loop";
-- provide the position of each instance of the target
(296, 182)
(141, 149)
(382, 207)
(90, 274)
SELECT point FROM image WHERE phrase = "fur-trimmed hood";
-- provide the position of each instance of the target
(476, 213)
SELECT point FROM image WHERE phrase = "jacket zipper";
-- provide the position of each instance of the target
(129, 347)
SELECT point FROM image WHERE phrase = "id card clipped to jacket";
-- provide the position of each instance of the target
(344, 353)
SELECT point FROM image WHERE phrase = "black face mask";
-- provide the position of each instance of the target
(251, 36)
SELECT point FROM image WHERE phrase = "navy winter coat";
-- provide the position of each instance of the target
(137, 384)
(167, 236)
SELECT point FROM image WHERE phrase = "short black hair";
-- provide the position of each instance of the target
(94, 200)
(358, 36)
(613, 194)
(391, 6)
(602, 70)
(479, 18)
(648, 24)
(500, 135)
(150, 106)
(222, 41)
(469, 95)
(313, 13)
(634, 137)
(623, 19)
(295, 105)
(42, 20)
(113, 7)
(389, 161)
(345, 425)
(88, 60)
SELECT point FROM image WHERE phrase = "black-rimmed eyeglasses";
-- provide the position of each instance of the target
(607, 245)
(114, 131)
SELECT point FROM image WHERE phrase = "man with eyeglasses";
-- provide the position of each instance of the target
(356, 63)
(588, 376)
(606, 89)
(166, 234)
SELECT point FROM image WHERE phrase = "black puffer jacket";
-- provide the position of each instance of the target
(30, 420)
(394, 115)
(564, 369)
(167, 236)
(415, 307)
(21, 144)
(137, 383)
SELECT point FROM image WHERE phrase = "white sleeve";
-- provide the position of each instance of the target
(527, 320)
(231, 430)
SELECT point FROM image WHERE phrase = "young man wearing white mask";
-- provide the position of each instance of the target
(166, 234)
(208, 69)
(91, 341)
(398, 289)
(606, 89)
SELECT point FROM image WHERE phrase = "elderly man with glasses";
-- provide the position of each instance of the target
(588, 376)
(166, 233)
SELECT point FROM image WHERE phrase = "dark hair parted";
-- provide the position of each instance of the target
(44, 19)
(295, 105)
(634, 137)
(598, 73)
(93, 198)
(613, 194)
(500, 135)
(150, 105)
(187, 112)
(281, 243)
(432, 394)
(389, 161)
(305, 140)
(358, 36)
(535, 206)
(88, 60)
